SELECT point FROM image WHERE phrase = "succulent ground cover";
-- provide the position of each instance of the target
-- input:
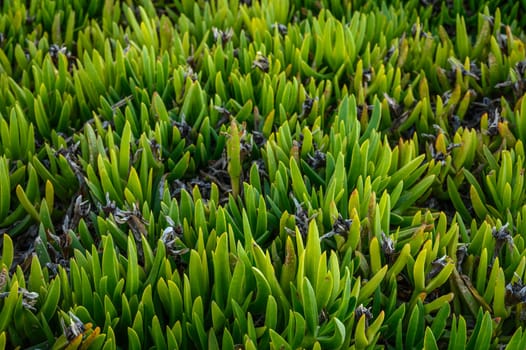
(262, 174)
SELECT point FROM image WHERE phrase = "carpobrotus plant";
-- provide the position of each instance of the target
(262, 174)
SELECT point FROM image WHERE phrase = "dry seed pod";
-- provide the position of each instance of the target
(80, 209)
(282, 29)
(306, 107)
(225, 36)
(393, 105)
(225, 115)
(515, 293)
(462, 252)
(494, 119)
(387, 245)
(55, 50)
(29, 299)
(4, 275)
(134, 219)
(302, 219)
(389, 54)
(261, 62)
(437, 266)
(156, 148)
(474, 71)
(258, 138)
(170, 237)
(75, 165)
(53, 267)
(318, 160)
(205, 187)
(184, 129)
(502, 236)
(189, 70)
(520, 68)
(109, 207)
(452, 146)
(340, 227)
(439, 157)
(75, 328)
(362, 310)
(324, 316)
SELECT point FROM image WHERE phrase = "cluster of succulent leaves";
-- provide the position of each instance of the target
(262, 174)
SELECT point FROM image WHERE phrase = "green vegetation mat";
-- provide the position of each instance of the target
(273, 174)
